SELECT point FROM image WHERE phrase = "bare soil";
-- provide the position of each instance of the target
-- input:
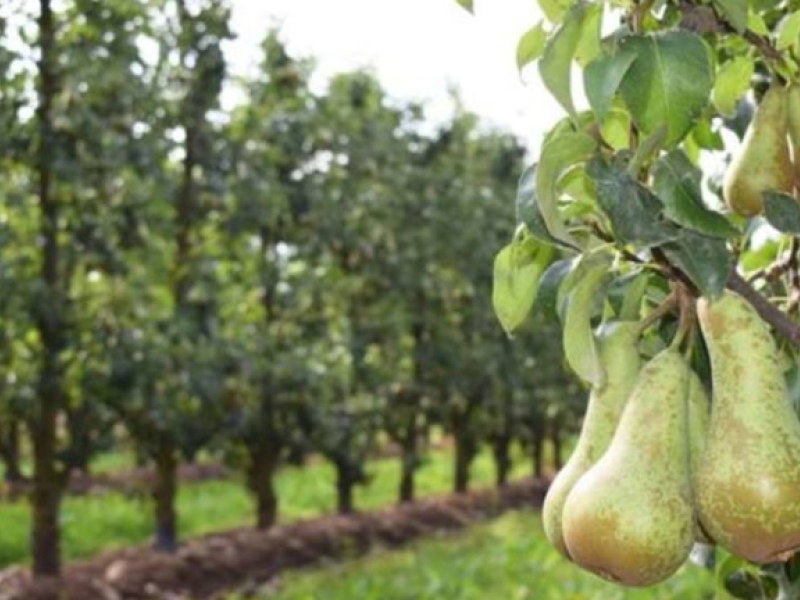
(243, 559)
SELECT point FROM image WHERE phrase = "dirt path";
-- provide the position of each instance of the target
(209, 566)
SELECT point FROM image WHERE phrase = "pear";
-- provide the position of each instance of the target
(620, 360)
(793, 120)
(699, 417)
(763, 162)
(748, 487)
(630, 518)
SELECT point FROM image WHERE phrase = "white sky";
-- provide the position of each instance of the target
(417, 47)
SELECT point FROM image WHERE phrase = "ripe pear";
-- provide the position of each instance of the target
(620, 359)
(630, 518)
(763, 162)
(699, 417)
(748, 487)
(793, 120)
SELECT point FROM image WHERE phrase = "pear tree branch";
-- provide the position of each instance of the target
(766, 310)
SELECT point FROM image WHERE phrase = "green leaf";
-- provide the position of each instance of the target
(705, 260)
(555, 67)
(547, 299)
(531, 45)
(554, 10)
(589, 46)
(789, 32)
(558, 155)
(602, 78)
(733, 81)
(676, 181)
(580, 345)
(635, 213)
(669, 82)
(625, 294)
(782, 211)
(517, 270)
(528, 212)
(616, 128)
(735, 13)
(466, 5)
(756, 24)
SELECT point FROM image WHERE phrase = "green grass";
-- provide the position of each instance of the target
(92, 524)
(506, 559)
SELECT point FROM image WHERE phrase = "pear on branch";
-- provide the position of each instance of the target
(748, 487)
(793, 120)
(630, 518)
(619, 358)
(763, 163)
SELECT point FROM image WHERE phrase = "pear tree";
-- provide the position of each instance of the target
(662, 214)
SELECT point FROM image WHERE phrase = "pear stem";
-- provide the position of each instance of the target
(669, 303)
(686, 303)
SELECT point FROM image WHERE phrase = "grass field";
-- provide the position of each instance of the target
(506, 559)
(95, 523)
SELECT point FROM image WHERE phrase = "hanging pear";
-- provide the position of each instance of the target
(763, 162)
(748, 487)
(699, 417)
(793, 120)
(630, 518)
(620, 360)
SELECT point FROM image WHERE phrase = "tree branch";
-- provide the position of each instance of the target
(766, 310)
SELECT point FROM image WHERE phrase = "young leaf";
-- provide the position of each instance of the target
(517, 270)
(531, 46)
(626, 294)
(555, 67)
(782, 211)
(669, 82)
(735, 13)
(789, 32)
(616, 128)
(528, 212)
(580, 345)
(602, 78)
(733, 81)
(635, 213)
(676, 181)
(589, 46)
(547, 299)
(558, 155)
(466, 4)
(704, 259)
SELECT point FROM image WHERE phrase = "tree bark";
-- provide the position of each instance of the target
(164, 493)
(537, 448)
(261, 476)
(463, 460)
(501, 448)
(408, 468)
(344, 490)
(47, 484)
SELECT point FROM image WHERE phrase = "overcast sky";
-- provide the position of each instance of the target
(417, 47)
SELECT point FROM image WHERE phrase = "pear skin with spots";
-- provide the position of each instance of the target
(748, 487)
(620, 359)
(763, 162)
(793, 120)
(630, 518)
(699, 418)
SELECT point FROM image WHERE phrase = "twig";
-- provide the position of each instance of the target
(767, 311)
(669, 303)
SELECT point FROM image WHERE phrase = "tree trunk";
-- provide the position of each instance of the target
(463, 460)
(537, 447)
(408, 466)
(344, 490)
(261, 476)
(11, 454)
(501, 448)
(47, 480)
(164, 493)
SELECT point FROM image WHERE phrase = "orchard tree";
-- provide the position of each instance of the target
(623, 188)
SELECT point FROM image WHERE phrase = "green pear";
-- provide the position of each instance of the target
(699, 417)
(763, 162)
(630, 518)
(620, 360)
(793, 120)
(748, 487)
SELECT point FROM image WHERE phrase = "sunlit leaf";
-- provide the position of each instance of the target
(735, 12)
(555, 67)
(531, 45)
(602, 78)
(589, 46)
(733, 81)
